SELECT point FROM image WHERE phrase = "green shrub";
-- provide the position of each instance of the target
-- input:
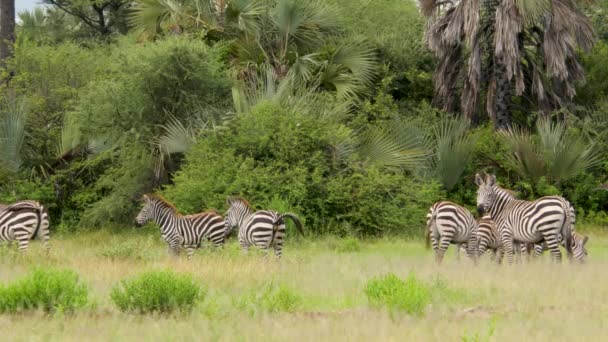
(411, 295)
(271, 298)
(157, 292)
(278, 157)
(49, 290)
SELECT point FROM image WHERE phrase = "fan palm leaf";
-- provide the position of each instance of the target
(12, 133)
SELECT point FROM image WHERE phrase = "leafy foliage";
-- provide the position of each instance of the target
(47, 289)
(157, 292)
(556, 153)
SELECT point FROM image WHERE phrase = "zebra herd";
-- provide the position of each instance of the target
(509, 226)
(263, 229)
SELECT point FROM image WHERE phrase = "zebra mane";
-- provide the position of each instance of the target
(503, 190)
(238, 199)
(161, 199)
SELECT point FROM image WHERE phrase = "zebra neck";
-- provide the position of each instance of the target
(165, 219)
(503, 198)
(244, 217)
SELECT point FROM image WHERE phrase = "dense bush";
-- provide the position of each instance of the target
(411, 295)
(274, 151)
(157, 292)
(49, 290)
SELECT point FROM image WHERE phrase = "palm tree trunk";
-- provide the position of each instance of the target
(7, 29)
(502, 100)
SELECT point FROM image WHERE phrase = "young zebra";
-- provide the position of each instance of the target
(521, 221)
(488, 238)
(450, 223)
(182, 230)
(579, 250)
(22, 221)
(263, 229)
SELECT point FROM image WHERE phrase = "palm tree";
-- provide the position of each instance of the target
(7, 29)
(505, 48)
(289, 35)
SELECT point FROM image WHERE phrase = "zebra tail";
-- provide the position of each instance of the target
(429, 227)
(294, 218)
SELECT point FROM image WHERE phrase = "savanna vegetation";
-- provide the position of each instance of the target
(356, 115)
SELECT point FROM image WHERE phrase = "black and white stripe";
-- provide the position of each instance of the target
(263, 229)
(449, 223)
(22, 221)
(488, 238)
(520, 222)
(579, 250)
(182, 230)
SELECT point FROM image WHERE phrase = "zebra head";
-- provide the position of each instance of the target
(485, 193)
(579, 251)
(238, 208)
(146, 213)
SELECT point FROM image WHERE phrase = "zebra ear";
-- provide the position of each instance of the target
(491, 180)
(478, 180)
(146, 198)
(585, 239)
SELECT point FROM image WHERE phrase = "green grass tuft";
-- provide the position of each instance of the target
(411, 295)
(157, 292)
(50, 290)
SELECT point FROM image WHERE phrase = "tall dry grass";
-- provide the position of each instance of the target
(533, 301)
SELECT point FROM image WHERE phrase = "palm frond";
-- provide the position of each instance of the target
(566, 155)
(452, 147)
(12, 132)
(525, 157)
(379, 147)
(246, 15)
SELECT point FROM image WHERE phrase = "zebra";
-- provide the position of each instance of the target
(182, 230)
(579, 250)
(520, 221)
(263, 229)
(450, 223)
(488, 238)
(23, 221)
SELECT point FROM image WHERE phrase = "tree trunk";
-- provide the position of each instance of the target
(7, 30)
(502, 100)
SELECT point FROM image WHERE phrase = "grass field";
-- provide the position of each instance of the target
(326, 280)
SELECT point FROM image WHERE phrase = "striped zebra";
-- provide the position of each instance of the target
(520, 221)
(263, 229)
(182, 230)
(488, 238)
(579, 250)
(449, 223)
(23, 221)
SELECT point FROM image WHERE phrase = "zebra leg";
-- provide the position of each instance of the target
(517, 249)
(444, 243)
(507, 243)
(493, 256)
(244, 247)
(190, 250)
(458, 251)
(481, 248)
(23, 243)
(472, 248)
(553, 247)
(501, 254)
(538, 249)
